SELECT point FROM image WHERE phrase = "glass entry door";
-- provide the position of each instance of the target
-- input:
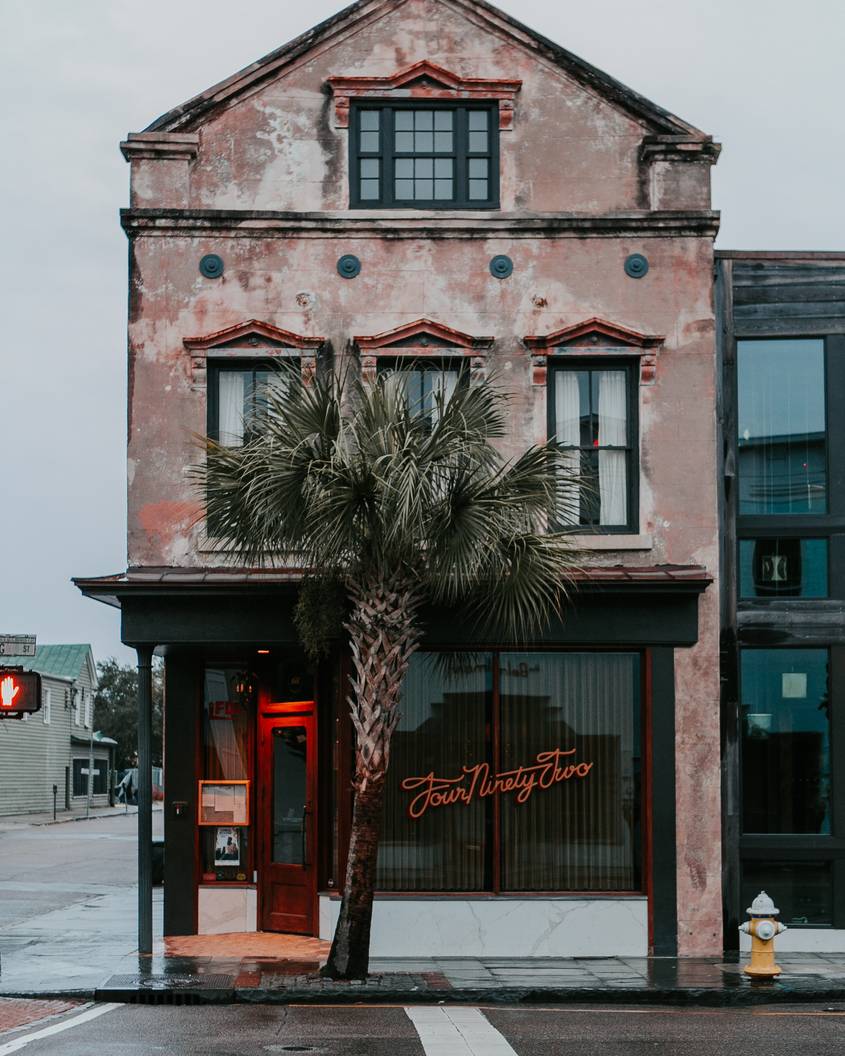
(287, 887)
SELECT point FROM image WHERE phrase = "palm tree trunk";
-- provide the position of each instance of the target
(383, 635)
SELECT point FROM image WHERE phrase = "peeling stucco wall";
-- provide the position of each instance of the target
(569, 152)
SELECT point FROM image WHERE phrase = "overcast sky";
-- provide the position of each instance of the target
(764, 77)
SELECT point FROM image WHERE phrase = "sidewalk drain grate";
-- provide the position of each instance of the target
(166, 989)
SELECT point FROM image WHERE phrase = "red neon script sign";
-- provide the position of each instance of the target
(476, 782)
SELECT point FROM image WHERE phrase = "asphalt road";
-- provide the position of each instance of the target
(242, 1030)
(44, 868)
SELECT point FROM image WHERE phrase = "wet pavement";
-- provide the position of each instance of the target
(411, 1030)
(68, 929)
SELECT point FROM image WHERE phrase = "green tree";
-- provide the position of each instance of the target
(397, 510)
(116, 709)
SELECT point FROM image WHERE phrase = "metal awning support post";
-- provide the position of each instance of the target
(145, 799)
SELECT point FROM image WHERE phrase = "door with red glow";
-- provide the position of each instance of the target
(287, 876)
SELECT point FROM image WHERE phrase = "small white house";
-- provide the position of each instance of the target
(55, 746)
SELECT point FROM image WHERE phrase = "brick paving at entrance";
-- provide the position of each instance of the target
(20, 1012)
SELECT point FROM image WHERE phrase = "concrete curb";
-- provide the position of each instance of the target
(747, 996)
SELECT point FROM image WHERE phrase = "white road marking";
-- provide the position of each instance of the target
(456, 1031)
(57, 1028)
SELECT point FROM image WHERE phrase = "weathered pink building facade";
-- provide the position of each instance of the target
(600, 201)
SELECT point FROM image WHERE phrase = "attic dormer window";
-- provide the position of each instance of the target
(424, 137)
(422, 155)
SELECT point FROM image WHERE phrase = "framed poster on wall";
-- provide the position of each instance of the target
(223, 803)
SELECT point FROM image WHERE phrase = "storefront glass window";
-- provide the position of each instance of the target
(227, 751)
(783, 568)
(781, 427)
(525, 782)
(580, 833)
(802, 891)
(785, 707)
(443, 727)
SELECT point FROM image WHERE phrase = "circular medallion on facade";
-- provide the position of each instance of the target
(211, 266)
(501, 266)
(636, 266)
(348, 266)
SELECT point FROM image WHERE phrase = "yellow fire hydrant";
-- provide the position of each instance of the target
(762, 928)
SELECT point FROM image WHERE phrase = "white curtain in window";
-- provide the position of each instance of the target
(445, 383)
(230, 426)
(613, 432)
(568, 434)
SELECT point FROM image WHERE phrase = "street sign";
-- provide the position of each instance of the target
(20, 692)
(17, 645)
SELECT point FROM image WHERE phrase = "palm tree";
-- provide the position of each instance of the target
(400, 509)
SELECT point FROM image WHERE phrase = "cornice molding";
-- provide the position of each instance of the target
(182, 146)
(424, 80)
(248, 329)
(273, 224)
(590, 332)
(680, 148)
(411, 337)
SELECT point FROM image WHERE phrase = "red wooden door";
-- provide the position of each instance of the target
(287, 878)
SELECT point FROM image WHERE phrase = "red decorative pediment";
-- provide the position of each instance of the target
(594, 332)
(423, 337)
(249, 334)
(424, 80)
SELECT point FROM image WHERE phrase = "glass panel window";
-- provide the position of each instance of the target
(785, 709)
(425, 385)
(290, 753)
(591, 420)
(783, 568)
(571, 721)
(428, 844)
(228, 720)
(528, 782)
(802, 891)
(781, 427)
(238, 400)
(425, 156)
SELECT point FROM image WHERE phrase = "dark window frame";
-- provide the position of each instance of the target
(213, 370)
(387, 155)
(829, 525)
(632, 374)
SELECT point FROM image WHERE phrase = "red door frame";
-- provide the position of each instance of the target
(270, 716)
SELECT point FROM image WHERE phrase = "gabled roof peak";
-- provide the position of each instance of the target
(192, 114)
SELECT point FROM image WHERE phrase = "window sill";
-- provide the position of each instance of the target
(612, 542)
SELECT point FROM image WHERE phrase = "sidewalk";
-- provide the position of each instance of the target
(16, 821)
(266, 980)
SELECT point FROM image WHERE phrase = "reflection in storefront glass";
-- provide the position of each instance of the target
(781, 427)
(802, 891)
(227, 744)
(545, 771)
(443, 726)
(783, 568)
(785, 709)
(578, 835)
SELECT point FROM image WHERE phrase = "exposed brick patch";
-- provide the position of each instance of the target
(18, 1012)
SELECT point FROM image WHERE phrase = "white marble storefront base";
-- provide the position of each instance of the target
(803, 940)
(222, 909)
(502, 927)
